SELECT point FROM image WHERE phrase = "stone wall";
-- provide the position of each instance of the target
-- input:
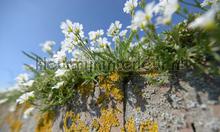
(192, 105)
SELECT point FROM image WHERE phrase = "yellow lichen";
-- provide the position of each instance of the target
(149, 126)
(117, 94)
(13, 119)
(14, 124)
(107, 120)
(111, 87)
(76, 124)
(95, 124)
(130, 125)
(45, 122)
(114, 76)
(145, 126)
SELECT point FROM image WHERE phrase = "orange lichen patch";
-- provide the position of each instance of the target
(130, 125)
(13, 119)
(145, 126)
(95, 124)
(45, 122)
(73, 123)
(111, 86)
(107, 120)
(114, 77)
(117, 94)
(149, 126)
(14, 123)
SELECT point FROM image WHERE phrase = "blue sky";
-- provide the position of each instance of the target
(24, 24)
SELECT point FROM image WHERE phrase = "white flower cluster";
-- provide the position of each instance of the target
(23, 80)
(23, 98)
(208, 2)
(47, 46)
(207, 20)
(142, 18)
(73, 35)
(94, 35)
(58, 85)
(163, 12)
(130, 5)
(114, 29)
(60, 72)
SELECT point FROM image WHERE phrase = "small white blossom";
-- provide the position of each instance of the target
(60, 56)
(28, 112)
(28, 83)
(58, 85)
(23, 98)
(60, 72)
(114, 29)
(130, 5)
(22, 78)
(94, 35)
(208, 2)
(66, 27)
(72, 31)
(166, 8)
(142, 18)
(103, 42)
(77, 55)
(2, 101)
(78, 29)
(123, 33)
(204, 21)
(47, 46)
(67, 45)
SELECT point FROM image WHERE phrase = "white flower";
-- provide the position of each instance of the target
(58, 85)
(142, 18)
(28, 83)
(22, 78)
(78, 29)
(60, 72)
(103, 42)
(72, 31)
(66, 27)
(130, 5)
(77, 55)
(67, 45)
(166, 8)
(204, 21)
(2, 101)
(114, 29)
(208, 2)
(123, 33)
(47, 46)
(28, 112)
(93, 35)
(23, 98)
(60, 56)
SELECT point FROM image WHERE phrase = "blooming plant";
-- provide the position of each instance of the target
(152, 44)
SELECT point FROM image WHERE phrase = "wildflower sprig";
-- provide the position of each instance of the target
(151, 45)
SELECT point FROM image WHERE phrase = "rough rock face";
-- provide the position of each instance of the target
(192, 105)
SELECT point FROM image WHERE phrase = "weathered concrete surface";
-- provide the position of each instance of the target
(193, 106)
